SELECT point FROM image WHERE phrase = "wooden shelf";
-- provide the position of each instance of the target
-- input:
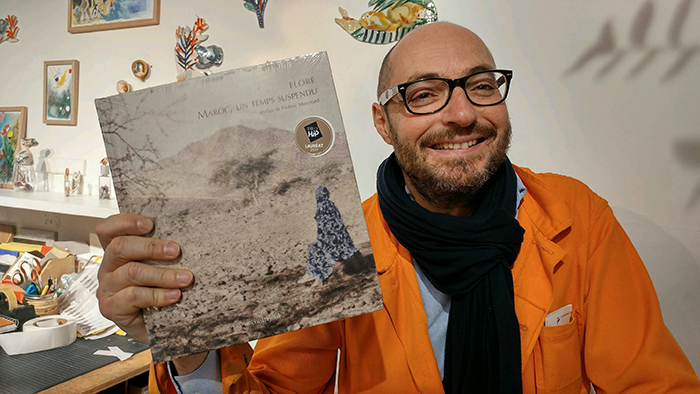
(81, 205)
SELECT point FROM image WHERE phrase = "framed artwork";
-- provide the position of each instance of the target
(61, 92)
(13, 127)
(93, 15)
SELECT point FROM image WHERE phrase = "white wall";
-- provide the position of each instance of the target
(632, 136)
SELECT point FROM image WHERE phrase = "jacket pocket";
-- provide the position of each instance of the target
(561, 359)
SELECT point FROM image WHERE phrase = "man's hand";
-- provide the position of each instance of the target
(126, 285)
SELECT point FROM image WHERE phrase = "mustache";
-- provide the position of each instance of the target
(484, 131)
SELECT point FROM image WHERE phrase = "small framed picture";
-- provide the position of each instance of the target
(13, 127)
(93, 15)
(61, 92)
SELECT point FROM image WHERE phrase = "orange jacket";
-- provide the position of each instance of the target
(574, 252)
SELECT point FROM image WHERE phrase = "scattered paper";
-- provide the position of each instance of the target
(114, 351)
(80, 302)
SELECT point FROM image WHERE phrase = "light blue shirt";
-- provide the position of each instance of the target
(204, 380)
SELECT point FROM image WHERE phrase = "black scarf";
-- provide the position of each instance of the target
(469, 259)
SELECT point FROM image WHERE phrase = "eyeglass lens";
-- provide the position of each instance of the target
(430, 95)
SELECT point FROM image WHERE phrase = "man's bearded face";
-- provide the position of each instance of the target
(452, 178)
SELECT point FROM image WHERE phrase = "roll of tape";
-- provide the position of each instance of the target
(42, 333)
(7, 290)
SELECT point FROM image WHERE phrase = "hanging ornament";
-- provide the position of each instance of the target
(140, 69)
(389, 20)
(257, 6)
(189, 53)
(9, 29)
(123, 87)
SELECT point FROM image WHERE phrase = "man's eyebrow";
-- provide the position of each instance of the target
(423, 75)
(482, 67)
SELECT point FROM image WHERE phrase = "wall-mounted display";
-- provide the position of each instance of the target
(13, 127)
(189, 53)
(61, 92)
(258, 7)
(93, 15)
(123, 87)
(389, 20)
(140, 69)
(9, 29)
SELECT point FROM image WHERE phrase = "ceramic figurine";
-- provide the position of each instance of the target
(24, 176)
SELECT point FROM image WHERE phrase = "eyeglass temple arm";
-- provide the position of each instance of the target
(388, 95)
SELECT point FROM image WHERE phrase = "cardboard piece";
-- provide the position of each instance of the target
(55, 268)
(59, 252)
(6, 233)
(95, 245)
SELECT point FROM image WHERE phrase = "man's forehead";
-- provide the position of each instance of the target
(447, 51)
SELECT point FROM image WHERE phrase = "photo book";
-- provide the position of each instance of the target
(249, 172)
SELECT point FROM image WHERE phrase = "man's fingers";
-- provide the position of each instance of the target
(134, 298)
(129, 248)
(144, 275)
(122, 224)
(124, 307)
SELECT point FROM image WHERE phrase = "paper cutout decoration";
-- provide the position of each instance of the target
(257, 6)
(389, 20)
(190, 54)
(9, 29)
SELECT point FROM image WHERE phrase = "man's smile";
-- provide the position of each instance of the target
(457, 145)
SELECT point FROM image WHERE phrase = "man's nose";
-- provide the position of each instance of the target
(459, 109)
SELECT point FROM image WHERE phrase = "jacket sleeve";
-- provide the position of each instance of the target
(301, 361)
(627, 346)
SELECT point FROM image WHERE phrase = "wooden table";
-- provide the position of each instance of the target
(105, 377)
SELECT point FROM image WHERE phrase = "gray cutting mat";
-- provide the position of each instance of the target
(30, 373)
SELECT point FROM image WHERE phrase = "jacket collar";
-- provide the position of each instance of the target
(549, 213)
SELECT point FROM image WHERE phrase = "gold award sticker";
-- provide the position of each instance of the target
(314, 136)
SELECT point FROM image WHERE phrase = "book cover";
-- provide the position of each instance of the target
(249, 172)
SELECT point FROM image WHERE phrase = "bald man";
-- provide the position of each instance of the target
(495, 279)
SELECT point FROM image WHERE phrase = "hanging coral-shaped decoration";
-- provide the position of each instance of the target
(257, 6)
(9, 29)
(190, 54)
(389, 20)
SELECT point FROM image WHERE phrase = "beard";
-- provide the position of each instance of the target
(453, 182)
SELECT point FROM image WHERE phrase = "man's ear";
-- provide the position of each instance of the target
(381, 122)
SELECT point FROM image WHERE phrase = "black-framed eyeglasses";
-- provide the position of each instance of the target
(429, 95)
